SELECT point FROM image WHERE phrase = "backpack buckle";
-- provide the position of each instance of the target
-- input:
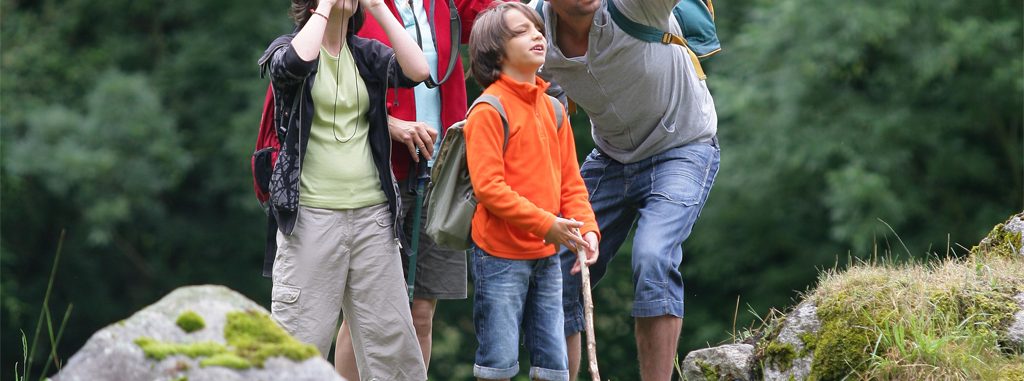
(670, 39)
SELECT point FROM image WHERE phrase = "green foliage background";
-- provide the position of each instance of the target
(843, 124)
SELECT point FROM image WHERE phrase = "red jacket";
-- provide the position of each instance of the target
(453, 92)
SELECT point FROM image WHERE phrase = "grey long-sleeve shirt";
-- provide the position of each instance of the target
(642, 98)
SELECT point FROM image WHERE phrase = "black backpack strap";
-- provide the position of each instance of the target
(270, 246)
(454, 33)
(496, 103)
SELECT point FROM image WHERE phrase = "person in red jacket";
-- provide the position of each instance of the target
(416, 120)
(531, 199)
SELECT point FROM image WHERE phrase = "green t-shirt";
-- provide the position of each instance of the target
(338, 170)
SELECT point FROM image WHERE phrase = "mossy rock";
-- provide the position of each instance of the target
(239, 342)
(787, 353)
(1005, 240)
(728, 362)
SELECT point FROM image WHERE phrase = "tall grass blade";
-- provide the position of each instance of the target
(897, 237)
(735, 313)
(55, 341)
(44, 310)
(24, 356)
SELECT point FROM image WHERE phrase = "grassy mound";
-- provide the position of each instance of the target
(926, 320)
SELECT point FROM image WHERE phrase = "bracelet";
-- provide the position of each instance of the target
(321, 15)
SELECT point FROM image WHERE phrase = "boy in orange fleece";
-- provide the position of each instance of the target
(530, 196)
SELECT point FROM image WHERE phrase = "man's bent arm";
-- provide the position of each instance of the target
(656, 13)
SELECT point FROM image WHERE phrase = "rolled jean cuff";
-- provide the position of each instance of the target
(496, 373)
(548, 374)
(574, 322)
(657, 308)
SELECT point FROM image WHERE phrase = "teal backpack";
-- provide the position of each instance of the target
(696, 18)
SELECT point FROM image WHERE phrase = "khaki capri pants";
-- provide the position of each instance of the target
(347, 260)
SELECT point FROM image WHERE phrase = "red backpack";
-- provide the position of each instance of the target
(267, 147)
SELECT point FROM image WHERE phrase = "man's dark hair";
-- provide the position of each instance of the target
(488, 37)
(301, 13)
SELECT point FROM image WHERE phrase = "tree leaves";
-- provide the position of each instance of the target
(114, 160)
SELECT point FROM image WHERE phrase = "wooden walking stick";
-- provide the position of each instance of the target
(588, 312)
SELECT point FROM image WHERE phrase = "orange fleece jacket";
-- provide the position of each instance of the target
(522, 187)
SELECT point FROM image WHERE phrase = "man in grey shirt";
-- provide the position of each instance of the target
(654, 124)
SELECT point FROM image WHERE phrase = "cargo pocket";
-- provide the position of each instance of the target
(283, 302)
(383, 217)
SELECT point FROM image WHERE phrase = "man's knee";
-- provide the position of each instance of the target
(423, 316)
(423, 327)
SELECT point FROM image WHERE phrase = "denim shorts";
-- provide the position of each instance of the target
(513, 298)
(663, 196)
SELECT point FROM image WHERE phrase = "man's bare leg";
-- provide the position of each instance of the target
(423, 321)
(573, 348)
(344, 356)
(657, 339)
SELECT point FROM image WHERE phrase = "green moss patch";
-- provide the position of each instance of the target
(842, 348)
(709, 371)
(227, 360)
(160, 350)
(256, 337)
(252, 337)
(780, 354)
(1000, 242)
(189, 321)
(810, 341)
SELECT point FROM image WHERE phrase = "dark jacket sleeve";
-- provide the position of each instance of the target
(283, 63)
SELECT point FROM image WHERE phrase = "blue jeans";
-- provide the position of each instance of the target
(513, 295)
(663, 195)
